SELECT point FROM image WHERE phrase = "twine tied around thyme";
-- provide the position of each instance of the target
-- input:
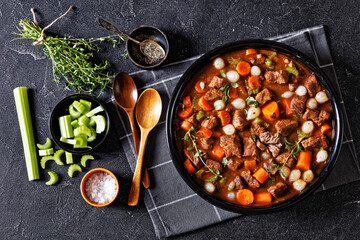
(40, 40)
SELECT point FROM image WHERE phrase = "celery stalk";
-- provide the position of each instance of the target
(27, 134)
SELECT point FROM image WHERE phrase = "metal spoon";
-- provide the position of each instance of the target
(148, 47)
(126, 94)
(148, 112)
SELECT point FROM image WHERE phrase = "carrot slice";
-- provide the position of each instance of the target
(189, 167)
(261, 175)
(187, 101)
(204, 132)
(198, 86)
(254, 82)
(286, 105)
(225, 118)
(243, 68)
(204, 104)
(234, 93)
(250, 51)
(250, 164)
(218, 152)
(185, 113)
(325, 127)
(271, 111)
(245, 197)
(262, 197)
(304, 160)
(186, 125)
(216, 134)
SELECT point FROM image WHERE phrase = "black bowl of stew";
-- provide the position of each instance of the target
(278, 150)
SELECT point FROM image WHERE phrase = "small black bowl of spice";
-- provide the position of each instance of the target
(145, 32)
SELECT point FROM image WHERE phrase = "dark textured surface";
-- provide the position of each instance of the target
(35, 211)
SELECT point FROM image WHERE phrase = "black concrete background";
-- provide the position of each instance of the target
(32, 210)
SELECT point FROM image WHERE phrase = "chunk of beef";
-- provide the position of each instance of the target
(286, 126)
(190, 155)
(233, 165)
(312, 85)
(257, 60)
(206, 143)
(238, 183)
(269, 166)
(213, 94)
(282, 158)
(278, 189)
(191, 119)
(231, 145)
(274, 149)
(249, 179)
(279, 77)
(318, 117)
(215, 165)
(264, 96)
(260, 145)
(250, 149)
(257, 129)
(239, 120)
(315, 142)
(269, 137)
(210, 123)
(297, 104)
(216, 82)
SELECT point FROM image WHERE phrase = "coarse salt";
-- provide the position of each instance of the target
(100, 188)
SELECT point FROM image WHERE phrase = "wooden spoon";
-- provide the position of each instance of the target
(148, 112)
(126, 94)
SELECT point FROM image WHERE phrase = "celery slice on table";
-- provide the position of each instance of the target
(93, 135)
(95, 111)
(73, 168)
(87, 105)
(68, 141)
(85, 158)
(100, 123)
(46, 152)
(84, 120)
(73, 112)
(79, 107)
(82, 130)
(69, 158)
(27, 134)
(81, 141)
(53, 178)
(46, 145)
(56, 157)
(66, 129)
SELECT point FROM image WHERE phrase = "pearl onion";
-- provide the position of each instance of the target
(311, 103)
(253, 113)
(231, 196)
(265, 155)
(232, 76)
(209, 187)
(219, 63)
(308, 176)
(255, 70)
(301, 91)
(299, 185)
(285, 172)
(294, 175)
(219, 104)
(229, 129)
(239, 103)
(307, 127)
(287, 94)
(322, 156)
(321, 97)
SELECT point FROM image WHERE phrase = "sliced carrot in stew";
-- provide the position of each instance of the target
(245, 197)
(286, 105)
(243, 68)
(261, 175)
(218, 152)
(250, 164)
(234, 93)
(262, 197)
(201, 86)
(271, 111)
(185, 113)
(325, 127)
(204, 104)
(187, 101)
(216, 134)
(225, 118)
(250, 51)
(204, 132)
(186, 125)
(189, 167)
(254, 82)
(304, 160)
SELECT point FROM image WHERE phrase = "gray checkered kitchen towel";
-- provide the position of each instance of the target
(170, 199)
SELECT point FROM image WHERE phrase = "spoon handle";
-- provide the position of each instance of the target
(135, 186)
(108, 26)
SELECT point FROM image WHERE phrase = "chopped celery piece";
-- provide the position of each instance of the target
(85, 158)
(100, 123)
(66, 129)
(68, 141)
(82, 130)
(46, 145)
(81, 141)
(92, 122)
(79, 107)
(27, 134)
(87, 105)
(44, 160)
(292, 71)
(56, 157)
(53, 178)
(200, 115)
(93, 135)
(46, 152)
(75, 124)
(73, 168)
(95, 111)
(73, 112)
(258, 120)
(84, 120)
(69, 158)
